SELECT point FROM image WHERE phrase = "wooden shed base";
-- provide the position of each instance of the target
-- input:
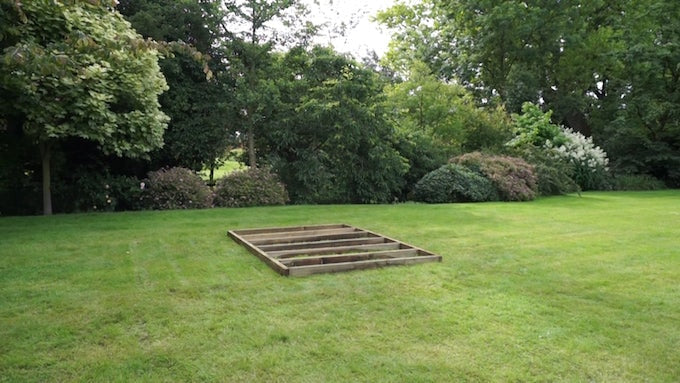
(305, 250)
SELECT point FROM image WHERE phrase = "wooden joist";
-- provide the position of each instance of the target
(306, 250)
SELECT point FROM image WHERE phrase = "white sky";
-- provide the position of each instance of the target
(362, 35)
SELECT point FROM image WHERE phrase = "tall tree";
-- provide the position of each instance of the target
(199, 130)
(250, 26)
(77, 69)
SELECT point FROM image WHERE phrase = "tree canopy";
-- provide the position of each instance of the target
(606, 69)
(77, 69)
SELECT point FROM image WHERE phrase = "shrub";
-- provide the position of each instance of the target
(454, 183)
(589, 162)
(87, 190)
(175, 188)
(423, 155)
(553, 174)
(252, 187)
(637, 182)
(513, 177)
(533, 127)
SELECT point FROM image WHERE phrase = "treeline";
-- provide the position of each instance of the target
(92, 107)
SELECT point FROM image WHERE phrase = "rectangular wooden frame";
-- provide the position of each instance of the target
(305, 250)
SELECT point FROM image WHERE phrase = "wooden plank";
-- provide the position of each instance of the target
(251, 237)
(271, 262)
(317, 244)
(301, 271)
(353, 257)
(243, 232)
(308, 238)
(423, 251)
(335, 250)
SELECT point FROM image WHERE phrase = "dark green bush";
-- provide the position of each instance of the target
(454, 183)
(90, 190)
(252, 187)
(175, 188)
(513, 177)
(637, 182)
(423, 155)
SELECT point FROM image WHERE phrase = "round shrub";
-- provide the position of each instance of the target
(252, 187)
(175, 188)
(513, 177)
(454, 183)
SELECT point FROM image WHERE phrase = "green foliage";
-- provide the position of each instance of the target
(553, 173)
(330, 142)
(607, 69)
(446, 111)
(79, 69)
(587, 162)
(486, 129)
(93, 191)
(423, 103)
(251, 187)
(533, 127)
(175, 188)
(423, 155)
(512, 177)
(637, 182)
(454, 183)
(199, 130)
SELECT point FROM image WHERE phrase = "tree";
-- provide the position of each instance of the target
(200, 129)
(332, 142)
(638, 119)
(249, 27)
(445, 111)
(77, 69)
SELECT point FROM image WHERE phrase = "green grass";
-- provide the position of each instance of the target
(560, 289)
(227, 168)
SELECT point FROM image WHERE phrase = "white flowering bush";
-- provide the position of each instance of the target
(589, 162)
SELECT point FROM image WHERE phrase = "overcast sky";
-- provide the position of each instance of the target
(362, 35)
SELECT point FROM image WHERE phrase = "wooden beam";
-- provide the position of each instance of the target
(244, 232)
(422, 251)
(301, 271)
(353, 257)
(309, 238)
(335, 250)
(322, 244)
(272, 262)
(251, 237)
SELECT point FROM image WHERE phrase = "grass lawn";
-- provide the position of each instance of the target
(227, 168)
(559, 289)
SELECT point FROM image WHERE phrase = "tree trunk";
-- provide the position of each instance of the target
(47, 193)
(252, 159)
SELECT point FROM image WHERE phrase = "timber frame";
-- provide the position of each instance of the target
(305, 250)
